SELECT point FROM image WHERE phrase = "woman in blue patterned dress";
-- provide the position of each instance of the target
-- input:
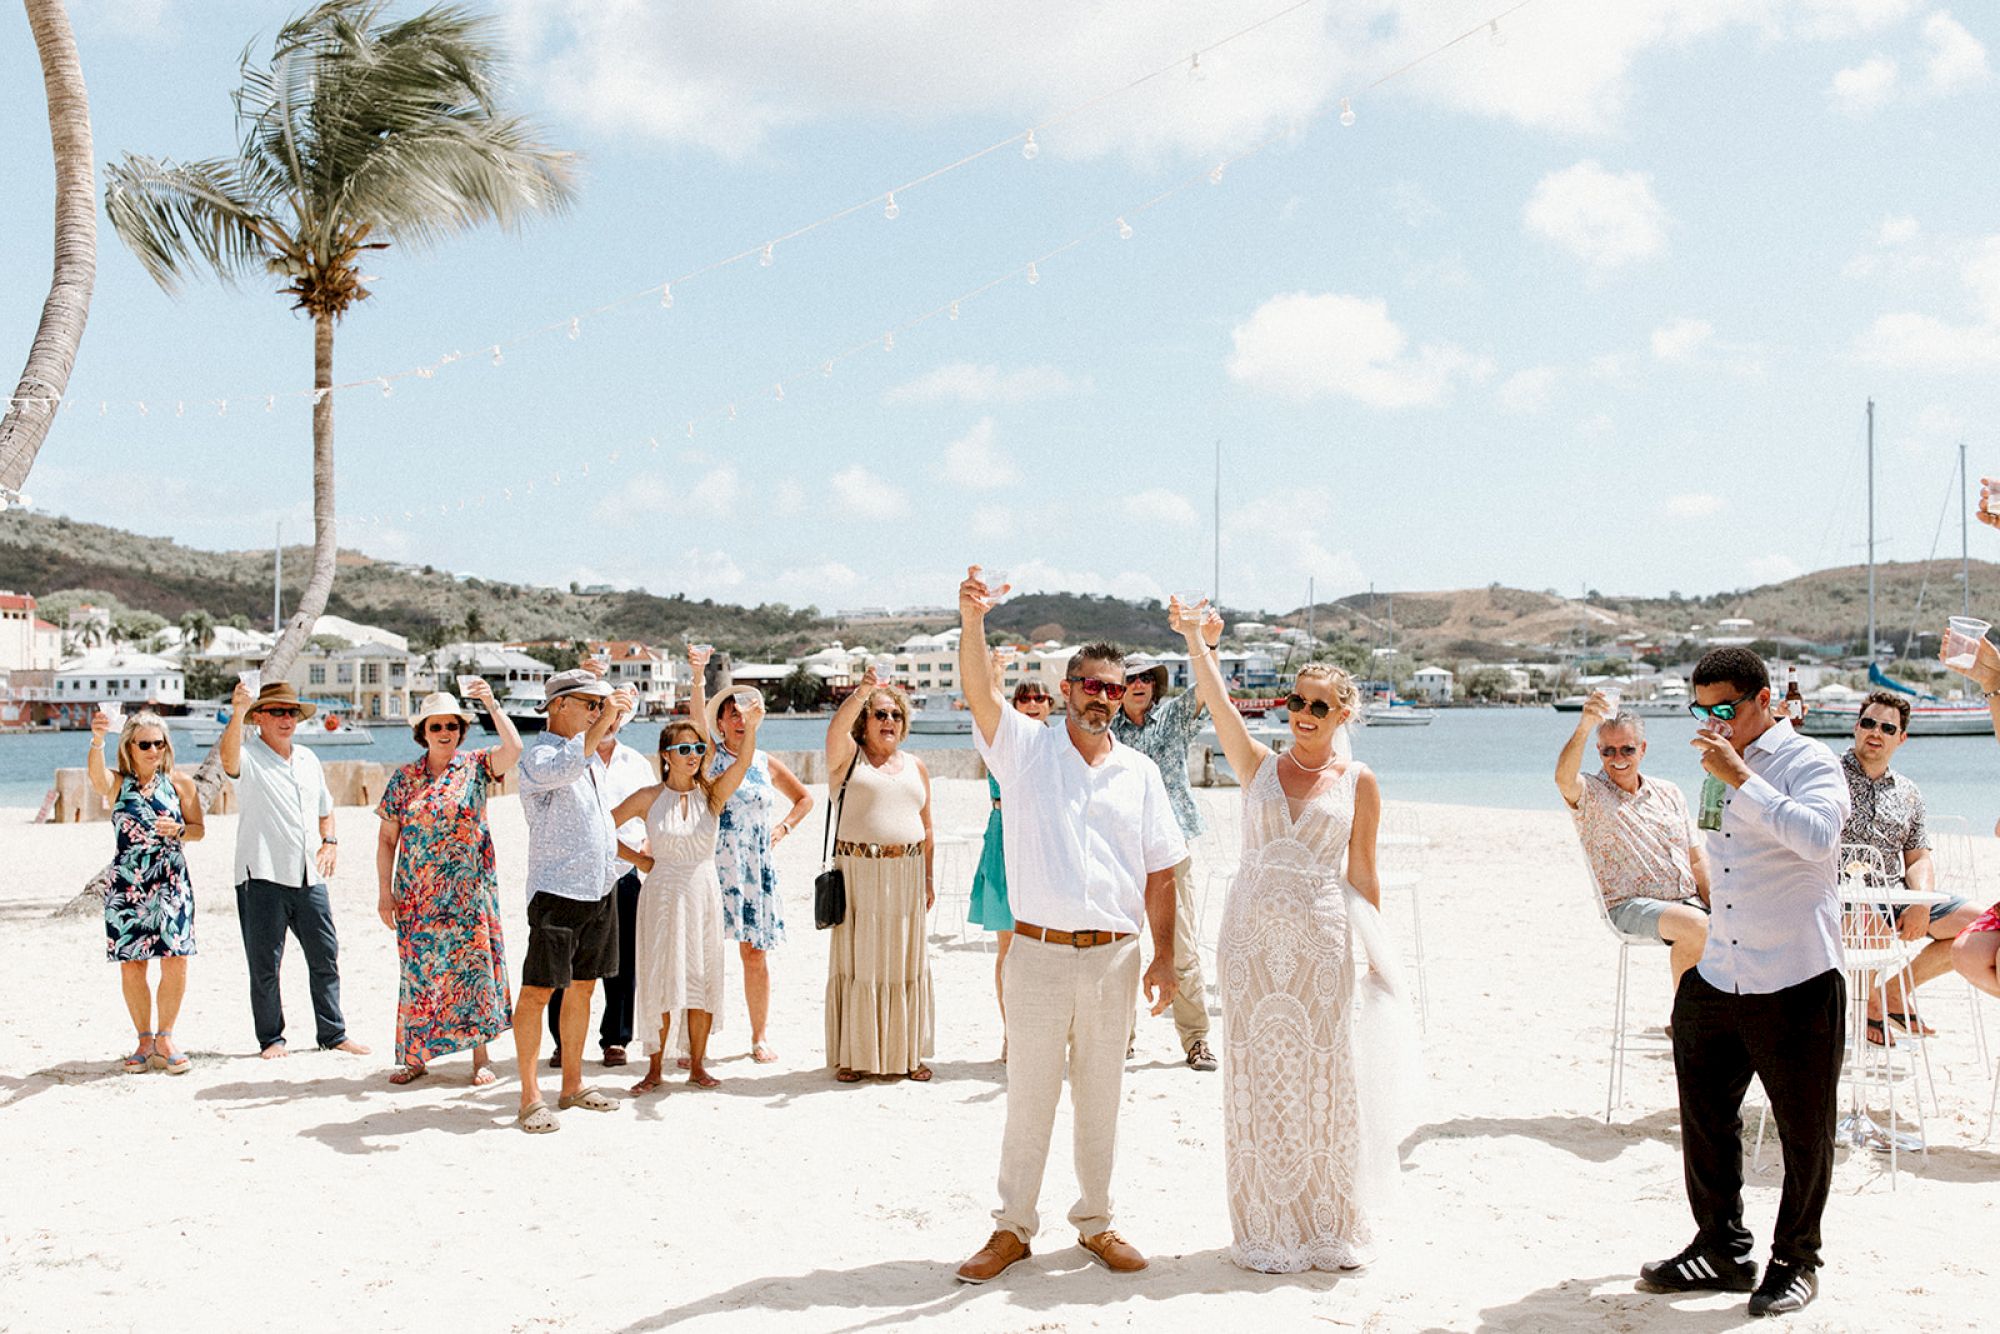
(752, 913)
(437, 890)
(989, 882)
(149, 905)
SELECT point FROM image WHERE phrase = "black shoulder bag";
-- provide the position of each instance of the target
(830, 885)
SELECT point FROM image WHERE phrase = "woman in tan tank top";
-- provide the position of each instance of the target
(878, 977)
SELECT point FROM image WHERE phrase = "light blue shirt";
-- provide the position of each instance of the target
(572, 844)
(280, 800)
(1774, 918)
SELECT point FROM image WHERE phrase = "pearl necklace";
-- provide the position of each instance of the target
(1293, 756)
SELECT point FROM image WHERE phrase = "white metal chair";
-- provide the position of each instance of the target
(1622, 1038)
(1871, 954)
(1957, 873)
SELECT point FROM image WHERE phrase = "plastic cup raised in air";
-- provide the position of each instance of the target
(466, 683)
(114, 713)
(1961, 641)
(252, 679)
(1612, 699)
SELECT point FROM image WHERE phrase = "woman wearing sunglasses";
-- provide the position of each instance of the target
(988, 907)
(149, 906)
(878, 983)
(434, 866)
(1306, 1176)
(680, 921)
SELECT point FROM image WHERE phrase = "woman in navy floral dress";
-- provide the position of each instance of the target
(434, 867)
(149, 904)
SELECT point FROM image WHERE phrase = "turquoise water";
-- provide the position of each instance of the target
(1469, 757)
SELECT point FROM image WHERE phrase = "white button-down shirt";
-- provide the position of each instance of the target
(572, 844)
(1774, 914)
(281, 800)
(1080, 839)
(626, 772)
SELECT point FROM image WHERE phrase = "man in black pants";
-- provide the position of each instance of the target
(1767, 999)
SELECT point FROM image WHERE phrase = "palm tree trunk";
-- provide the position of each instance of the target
(53, 353)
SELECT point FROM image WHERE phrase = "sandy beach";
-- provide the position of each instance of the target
(309, 1193)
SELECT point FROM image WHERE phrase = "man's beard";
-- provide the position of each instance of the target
(1094, 726)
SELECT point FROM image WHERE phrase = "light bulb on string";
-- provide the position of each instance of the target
(654, 441)
(496, 354)
(222, 407)
(889, 341)
(1195, 72)
(180, 408)
(732, 412)
(766, 257)
(891, 209)
(953, 313)
(1030, 149)
(1215, 176)
(1494, 35)
(1346, 112)
(1034, 274)
(270, 402)
(827, 369)
(575, 327)
(666, 296)
(387, 388)
(778, 392)
(425, 372)
(1124, 230)
(690, 428)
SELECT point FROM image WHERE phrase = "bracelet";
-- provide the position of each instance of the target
(1992, 694)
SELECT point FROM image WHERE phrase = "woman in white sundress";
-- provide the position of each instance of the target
(1311, 1115)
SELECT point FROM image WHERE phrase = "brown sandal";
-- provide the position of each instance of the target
(846, 1076)
(922, 1074)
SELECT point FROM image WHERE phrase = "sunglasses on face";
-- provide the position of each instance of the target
(444, 727)
(682, 748)
(588, 705)
(1319, 708)
(1725, 711)
(149, 745)
(1871, 725)
(1036, 697)
(1093, 687)
(885, 715)
(1622, 752)
(280, 713)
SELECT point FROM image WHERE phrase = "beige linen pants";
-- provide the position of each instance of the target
(1065, 1007)
(1191, 995)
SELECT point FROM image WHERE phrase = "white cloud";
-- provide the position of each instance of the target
(1897, 231)
(717, 492)
(1956, 59)
(965, 382)
(1040, 576)
(1610, 366)
(642, 497)
(830, 586)
(1160, 507)
(1528, 391)
(1772, 569)
(1607, 219)
(991, 521)
(1864, 88)
(1694, 505)
(974, 463)
(1916, 341)
(1934, 430)
(861, 494)
(1289, 533)
(788, 500)
(1596, 424)
(1681, 339)
(1833, 19)
(1304, 346)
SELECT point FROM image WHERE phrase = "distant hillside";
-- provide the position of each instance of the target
(44, 555)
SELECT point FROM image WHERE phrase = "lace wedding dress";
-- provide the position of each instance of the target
(1315, 1068)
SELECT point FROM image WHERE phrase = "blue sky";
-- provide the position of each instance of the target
(1599, 303)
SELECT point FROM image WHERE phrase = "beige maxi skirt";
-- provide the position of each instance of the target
(878, 978)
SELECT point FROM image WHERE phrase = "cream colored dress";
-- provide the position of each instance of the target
(878, 977)
(678, 946)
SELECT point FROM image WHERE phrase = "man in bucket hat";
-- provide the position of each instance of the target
(572, 868)
(285, 852)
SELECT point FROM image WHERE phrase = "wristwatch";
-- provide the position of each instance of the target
(330, 842)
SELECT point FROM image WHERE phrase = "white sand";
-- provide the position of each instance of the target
(309, 1194)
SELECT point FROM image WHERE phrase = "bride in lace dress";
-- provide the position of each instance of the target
(1313, 1064)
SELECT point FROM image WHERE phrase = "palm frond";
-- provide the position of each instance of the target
(423, 184)
(172, 214)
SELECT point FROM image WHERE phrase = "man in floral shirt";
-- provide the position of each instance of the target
(1888, 815)
(1162, 732)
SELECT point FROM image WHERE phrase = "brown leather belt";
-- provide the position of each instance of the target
(1082, 940)
(847, 849)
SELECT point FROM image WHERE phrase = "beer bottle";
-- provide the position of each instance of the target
(1795, 703)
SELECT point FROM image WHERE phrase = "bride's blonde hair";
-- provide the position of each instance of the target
(1345, 693)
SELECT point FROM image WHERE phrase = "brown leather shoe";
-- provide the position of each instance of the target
(1113, 1252)
(1002, 1249)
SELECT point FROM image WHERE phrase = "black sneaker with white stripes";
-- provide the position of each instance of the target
(1698, 1269)
(1786, 1288)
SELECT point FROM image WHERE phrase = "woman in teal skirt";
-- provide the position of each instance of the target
(989, 883)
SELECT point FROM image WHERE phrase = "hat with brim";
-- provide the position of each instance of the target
(442, 704)
(576, 681)
(1139, 665)
(281, 695)
(715, 705)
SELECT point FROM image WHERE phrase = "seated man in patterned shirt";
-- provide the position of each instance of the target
(1888, 815)
(1642, 845)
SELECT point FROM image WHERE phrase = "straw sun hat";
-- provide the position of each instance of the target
(438, 704)
(715, 705)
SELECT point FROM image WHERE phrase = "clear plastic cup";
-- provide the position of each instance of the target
(114, 712)
(465, 684)
(1612, 700)
(1961, 641)
(1716, 727)
(885, 669)
(252, 679)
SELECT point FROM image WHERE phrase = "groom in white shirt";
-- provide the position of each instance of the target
(1091, 846)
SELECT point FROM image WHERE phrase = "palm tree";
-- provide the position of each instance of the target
(24, 425)
(360, 132)
(197, 631)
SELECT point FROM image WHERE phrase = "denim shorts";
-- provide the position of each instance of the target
(1641, 917)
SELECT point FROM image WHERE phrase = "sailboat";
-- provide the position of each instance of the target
(1929, 714)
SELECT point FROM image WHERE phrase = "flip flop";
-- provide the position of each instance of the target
(762, 1054)
(921, 1075)
(483, 1076)
(409, 1074)
(704, 1080)
(1911, 1024)
(537, 1119)
(1878, 1035)
(588, 1099)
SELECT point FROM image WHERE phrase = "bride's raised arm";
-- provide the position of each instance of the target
(1243, 751)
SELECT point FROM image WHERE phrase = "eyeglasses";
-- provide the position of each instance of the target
(1093, 687)
(452, 726)
(682, 748)
(149, 745)
(1871, 725)
(1622, 752)
(1032, 697)
(1725, 711)
(1300, 704)
(885, 715)
(279, 713)
(589, 703)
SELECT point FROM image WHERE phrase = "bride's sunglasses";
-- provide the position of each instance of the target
(1319, 708)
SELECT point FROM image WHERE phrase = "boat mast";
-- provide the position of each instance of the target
(1215, 583)
(278, 580)
(1871, 532)
(1964, 542)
